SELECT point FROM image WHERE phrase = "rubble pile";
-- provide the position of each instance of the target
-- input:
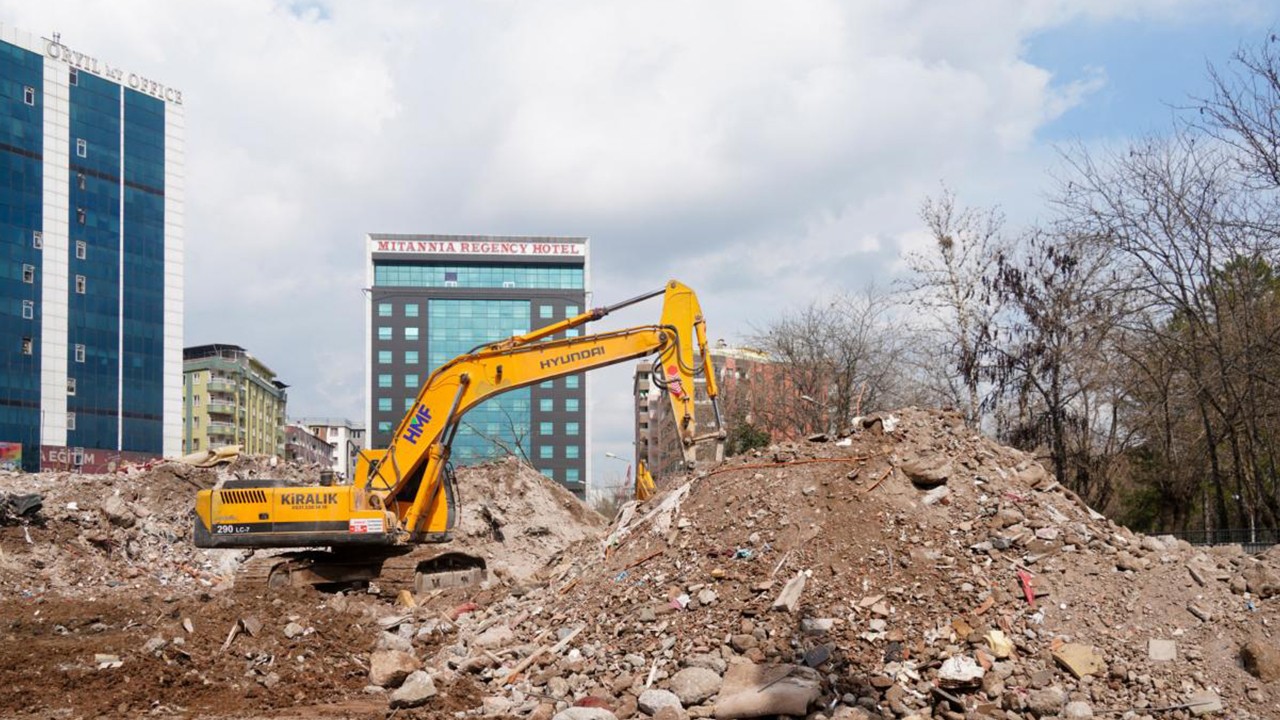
(911, 569)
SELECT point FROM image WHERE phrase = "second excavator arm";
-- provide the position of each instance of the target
(409, 476)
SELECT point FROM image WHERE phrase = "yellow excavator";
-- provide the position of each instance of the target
(391, 522)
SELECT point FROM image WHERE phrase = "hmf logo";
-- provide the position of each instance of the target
(417, 423)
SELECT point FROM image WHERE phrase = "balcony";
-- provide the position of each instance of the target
(221, 407)
(221, 429)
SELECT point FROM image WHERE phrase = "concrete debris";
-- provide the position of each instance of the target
(751, 691)
(418, 687)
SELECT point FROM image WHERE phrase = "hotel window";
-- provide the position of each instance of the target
(571, 382)
(571, 404)
(71, 386)
(82, 147)
(71, 421)
(411, 357)
(82, 249)
(411, 310)
(27, 346)
(80, 180)
(73, 77)
(411, 380)
(570, 310)
(81, 216)
(571, 428)
(411, 333)
(546, 405)
(571, 476)
(79, 353)
(545, 312)
(571, 452)
(29, 95)
(28, 274)
(408, 403)
(384, 309)
(384, 357)
(384, 404)
(384, 426)
(80, 284)
(549, 473)
(546, 452)
(37, 240)
(546, 428)
(384, 380)
(28, 309)
(384, 333)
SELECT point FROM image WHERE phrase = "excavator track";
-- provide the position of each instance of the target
(418, 569)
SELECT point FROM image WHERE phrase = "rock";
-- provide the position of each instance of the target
(670, 713)
(155, 645)
(694, 685)
(251, 625)
(789, 598)
(1205, 703)
(388, 668)
(1046, 701)
(118, 512)
(1078, 710)
(418, 687)
(558, 687)
(743, 642)
(653, 700)
(936, 495)
(1080, 660)
(960, 672)
(927, 471)
(817, 655)
(1261, 659)
(1162, 650)
(496, 636)
(293, 630)
(751, 690)
(584, 713)
(544, 711)
(708, 661)
(707, 596)
(496, 705)
(1259, 581)
(393, 641)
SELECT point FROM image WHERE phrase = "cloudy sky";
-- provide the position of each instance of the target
(762, 152)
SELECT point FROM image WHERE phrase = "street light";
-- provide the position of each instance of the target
(617, 457)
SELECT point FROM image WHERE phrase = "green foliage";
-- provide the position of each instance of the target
(745, 436)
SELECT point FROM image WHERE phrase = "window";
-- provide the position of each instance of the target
(547, 384)
(384, 427)
(571, 452)
(411, 380)
(549, 473)
(195, 442)
(37, 240)
(545, 312)
(80, 284)
(546, 405)
(411, 310)
(28, 346)
(384, 333)
(384, 404)
(508, 283)
(546, 428)
(28, 274)
(571, 382)
(384, 309)
(71, 386)
(28, 95)
(80, 180)
(384, 357)
(571, 404)
(80, 215)
(408, 403)
(82, 249)
(571, 310)
(450, 277)
(546, 452)
(384, 380)
(411, 357)
(411, 333)
(195, 400)
(71, 421)
(572, 332)
(79, 353)
(73, 78)
(28, 309)
(82, 148)
(571, 476)
(571, 428)
(196, 421)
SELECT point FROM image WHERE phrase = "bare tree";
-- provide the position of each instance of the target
(948, 280)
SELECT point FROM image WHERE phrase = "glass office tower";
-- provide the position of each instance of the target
(91, 245)
(434, 297)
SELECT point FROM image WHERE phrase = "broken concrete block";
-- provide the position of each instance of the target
(694, 685)
(789, 598)
(751, 690)
(418, 687)
(960, 672)
(388, 668)
(1162, 650)
(1261, 659)
(653, 700)
(1205, 703)
(927, 471)
(1079, 660)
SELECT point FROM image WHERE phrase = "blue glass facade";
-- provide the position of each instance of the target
(21, 211)
(143, 337)
(93, 217)
(474, 275)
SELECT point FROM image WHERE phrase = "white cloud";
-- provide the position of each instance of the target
(761, 153)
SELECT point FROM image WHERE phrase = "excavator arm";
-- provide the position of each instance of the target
(409, 477)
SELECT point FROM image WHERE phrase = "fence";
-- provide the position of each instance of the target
(1253, 540)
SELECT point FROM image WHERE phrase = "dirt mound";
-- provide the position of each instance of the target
(518, 519)
(912, 567)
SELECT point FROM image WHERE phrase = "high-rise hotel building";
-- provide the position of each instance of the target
(434, 297)
(91, 158)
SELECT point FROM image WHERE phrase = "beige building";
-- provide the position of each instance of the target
(231, 398)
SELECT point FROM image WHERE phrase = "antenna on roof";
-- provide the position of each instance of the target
(57, 37)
